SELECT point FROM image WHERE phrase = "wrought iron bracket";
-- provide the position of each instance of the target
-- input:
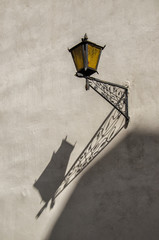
(115, 94)
(116, 120)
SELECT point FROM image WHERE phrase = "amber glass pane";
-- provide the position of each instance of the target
(78, 57)
(93, 56)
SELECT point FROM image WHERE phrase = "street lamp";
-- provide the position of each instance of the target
(86, 57)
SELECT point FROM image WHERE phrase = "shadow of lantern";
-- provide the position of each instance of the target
(53, 174)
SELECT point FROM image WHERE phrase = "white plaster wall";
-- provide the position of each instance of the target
(42, 101)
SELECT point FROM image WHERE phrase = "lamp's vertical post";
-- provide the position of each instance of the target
(87, 84)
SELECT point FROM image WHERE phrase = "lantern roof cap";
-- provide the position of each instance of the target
(85, 41)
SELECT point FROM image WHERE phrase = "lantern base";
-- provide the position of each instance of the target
(86, 73)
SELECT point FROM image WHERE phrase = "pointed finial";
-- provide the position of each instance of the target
(85, 37)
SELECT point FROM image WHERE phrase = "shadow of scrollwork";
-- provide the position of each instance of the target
(111, 126)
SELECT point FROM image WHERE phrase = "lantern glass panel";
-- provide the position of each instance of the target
(93, 56)
(78, 57)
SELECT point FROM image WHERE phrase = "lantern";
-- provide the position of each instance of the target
(86, 56)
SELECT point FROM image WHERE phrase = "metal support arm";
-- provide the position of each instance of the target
(116, 95)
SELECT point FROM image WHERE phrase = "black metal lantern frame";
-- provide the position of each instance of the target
(80, 54)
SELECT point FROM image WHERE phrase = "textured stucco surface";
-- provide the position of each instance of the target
(42, 103)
